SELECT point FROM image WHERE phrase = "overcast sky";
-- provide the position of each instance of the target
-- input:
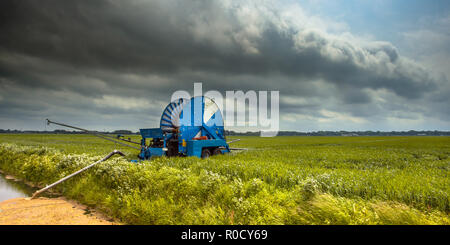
(339, 65)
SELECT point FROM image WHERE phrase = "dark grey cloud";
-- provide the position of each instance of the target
(93, 57)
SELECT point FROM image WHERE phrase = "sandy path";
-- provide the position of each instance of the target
(48, 211)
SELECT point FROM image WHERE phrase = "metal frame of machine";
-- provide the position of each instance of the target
(187, 128)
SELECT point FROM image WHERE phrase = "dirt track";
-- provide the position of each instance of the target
(48, 211)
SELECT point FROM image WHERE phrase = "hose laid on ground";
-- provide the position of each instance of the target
(77, 172)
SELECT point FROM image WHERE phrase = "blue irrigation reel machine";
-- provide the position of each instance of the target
(188, 127)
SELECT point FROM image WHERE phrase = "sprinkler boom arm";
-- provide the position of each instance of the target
(103, 136)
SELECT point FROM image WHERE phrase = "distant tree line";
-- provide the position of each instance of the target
(347, 133)
(62, 131)
(257, 133)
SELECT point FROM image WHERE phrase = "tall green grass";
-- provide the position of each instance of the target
(281, 180)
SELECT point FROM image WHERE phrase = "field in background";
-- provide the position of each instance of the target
(281, 180)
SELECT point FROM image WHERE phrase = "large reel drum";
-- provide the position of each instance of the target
(170, 119)
(193, 118)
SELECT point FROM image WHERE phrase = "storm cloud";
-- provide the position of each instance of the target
(114, 64)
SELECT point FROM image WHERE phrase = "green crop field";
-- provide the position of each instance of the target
(280, 180)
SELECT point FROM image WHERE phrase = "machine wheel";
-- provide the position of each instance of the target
(217, 151)
(206, 153)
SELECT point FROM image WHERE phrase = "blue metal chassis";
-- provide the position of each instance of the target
(193, 147)
(186, 146)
